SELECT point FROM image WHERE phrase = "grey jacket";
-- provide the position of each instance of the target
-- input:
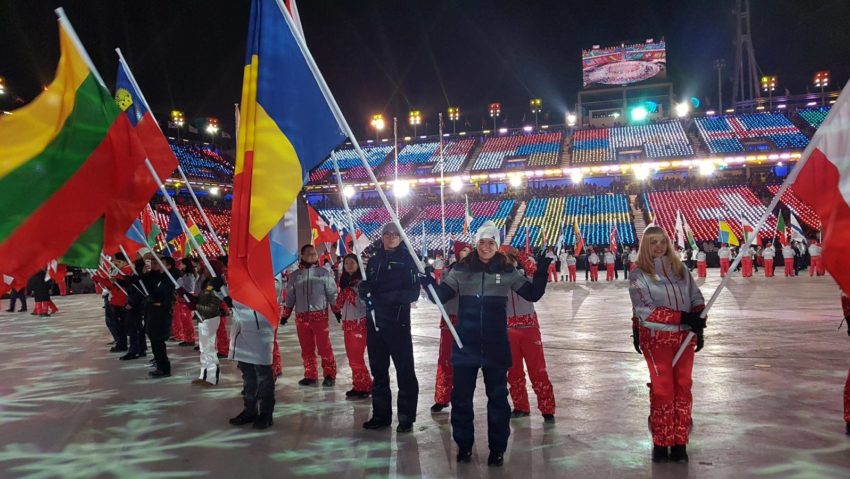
(310, 289)
(251, 335)
(659, 301)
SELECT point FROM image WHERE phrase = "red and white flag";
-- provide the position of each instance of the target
(823, 181)
(612, 240)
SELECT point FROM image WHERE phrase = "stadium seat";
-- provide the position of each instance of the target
(658, 140)
(202, 163)
(801, 210)
(541, 149)
(723, 134)
(814, 116)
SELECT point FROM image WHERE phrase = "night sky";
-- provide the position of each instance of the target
(393, 55)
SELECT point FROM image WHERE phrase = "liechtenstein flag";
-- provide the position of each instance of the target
(286, 128)
(139, 185)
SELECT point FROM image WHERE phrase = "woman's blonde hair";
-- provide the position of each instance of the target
(645, 261)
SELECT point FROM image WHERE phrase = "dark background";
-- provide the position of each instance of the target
(393, 55)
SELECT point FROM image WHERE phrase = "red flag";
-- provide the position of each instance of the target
(824, 183)
(579, 240)
(527, 240)
(321, 231)
(612, 240)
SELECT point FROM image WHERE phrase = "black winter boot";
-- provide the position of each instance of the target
(679, 453)
(659, 453)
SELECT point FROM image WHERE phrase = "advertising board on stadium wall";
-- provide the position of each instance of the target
(624, 64)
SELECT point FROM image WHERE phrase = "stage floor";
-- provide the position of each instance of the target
(767, 399)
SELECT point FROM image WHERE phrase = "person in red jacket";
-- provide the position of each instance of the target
(527, 348)
(443, 383)
(352, 314)
(845, 305)
(115, 282)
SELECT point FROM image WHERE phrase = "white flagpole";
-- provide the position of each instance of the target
(133, 267)
(789, 180)
(395, 158)
(63, 20)
(132, 79)
(343, 124)
(443, 241)
(189, 236)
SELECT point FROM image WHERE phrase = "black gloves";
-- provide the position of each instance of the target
(636, 340)
(364, 289)
(426, 279)
(338, 316)
(370, 305)
(284, 319)
(217, 283)
(693, 320)
(700, 342)
(847, 318)
(542, 264)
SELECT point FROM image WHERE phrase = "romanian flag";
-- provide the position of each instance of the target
(65, 161)
(579, 239)
(286, 128)
(726, 234)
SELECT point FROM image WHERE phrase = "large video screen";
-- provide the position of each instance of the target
(624, 64)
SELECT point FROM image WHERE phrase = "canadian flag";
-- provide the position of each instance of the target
(823, 181)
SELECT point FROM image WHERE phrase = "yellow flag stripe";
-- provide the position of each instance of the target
(30, 129)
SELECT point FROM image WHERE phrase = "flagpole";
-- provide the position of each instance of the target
(343, 124)
(789, 180)
(189, 236)
(395, 157)
(442, 188)
(132, 266)
(132, 79)
(163, 267)
(66, 23)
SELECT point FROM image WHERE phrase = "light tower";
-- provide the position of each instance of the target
(745, 84)
(495, 112)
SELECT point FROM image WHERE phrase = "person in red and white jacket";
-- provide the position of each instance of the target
(610, 263)
(845, 306)
(768, 254)
(593, 261)
(353, 314)
(666, 306)
(816, 265)
(725, 256)
(701, 265)
(311, 290)
(439, 265)
(115, 282)
(788, 254)
(527, 347)
(443, 383)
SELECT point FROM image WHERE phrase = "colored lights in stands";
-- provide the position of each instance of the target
(401, 189)
(639, 113)
(536, 105)
(456, 184)
(348, 191)
(177, 118)
(378, 122)
(682, 109)
(495, 109)
(768, 83)
(414, 118)
(706, 168)
(821, 79)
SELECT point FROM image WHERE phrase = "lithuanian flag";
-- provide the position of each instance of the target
(286, 128)
(64, 160)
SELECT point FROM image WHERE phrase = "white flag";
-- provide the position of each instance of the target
(680, 230)
(796, 230)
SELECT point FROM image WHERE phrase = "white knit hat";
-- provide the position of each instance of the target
(488, 230)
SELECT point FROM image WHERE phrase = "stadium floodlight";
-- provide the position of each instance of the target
(456, 184)
(212, 126)
(682, 109)
(768, 85)
(401, 189)
(2, 86)
(576, 176)
(214, 191)
(639, 113)
(706, 168)
(378, 124)
(515, 181)
(414, 117)
(821, 81)
(641, 172)
(348, 191)
(571, 119)
(454, 116)
(177, 119)
(495, 112)
(536, 105)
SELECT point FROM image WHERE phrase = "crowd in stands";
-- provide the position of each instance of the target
(202, 162)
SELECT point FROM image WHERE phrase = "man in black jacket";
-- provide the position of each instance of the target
(159, 308)
(391, 285)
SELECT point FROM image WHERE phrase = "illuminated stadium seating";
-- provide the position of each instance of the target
(723, 134)
(541, 149)
(202, 163)
(658, 140)
(496, 211)
(349, 162)
(368, 220)
(801, 210)
(596, 216)
(814, 116)
(703, 208)
(424, 158)
(454, 153)
(220, 219)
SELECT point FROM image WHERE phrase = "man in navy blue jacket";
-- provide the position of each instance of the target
(391, 285)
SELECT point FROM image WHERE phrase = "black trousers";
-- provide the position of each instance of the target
(258, 382)
(158, 327)
(135, 331)
(18, 294)
(119, 327)
(498, 409)
(392, 341)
